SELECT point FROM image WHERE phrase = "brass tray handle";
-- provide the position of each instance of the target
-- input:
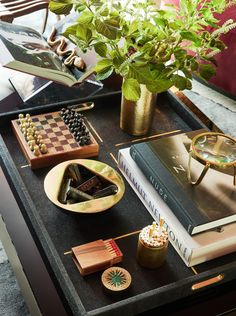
(207, 282)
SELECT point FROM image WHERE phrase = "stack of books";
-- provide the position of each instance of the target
(200, 220)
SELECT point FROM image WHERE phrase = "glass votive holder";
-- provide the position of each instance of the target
(152, 246)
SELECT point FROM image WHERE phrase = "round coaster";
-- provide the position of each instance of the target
(116, 279)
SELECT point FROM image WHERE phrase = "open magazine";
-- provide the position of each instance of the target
(26, 50)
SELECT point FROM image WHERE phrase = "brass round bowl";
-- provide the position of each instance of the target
(54, 178)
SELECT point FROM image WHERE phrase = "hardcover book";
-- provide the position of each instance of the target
(199, 208)
(193, 250)
(26, 50)
(28, 87)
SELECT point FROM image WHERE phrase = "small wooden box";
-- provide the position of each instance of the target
(96, 255)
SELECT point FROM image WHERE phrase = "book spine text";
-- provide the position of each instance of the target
(161, 189)
(152, 206)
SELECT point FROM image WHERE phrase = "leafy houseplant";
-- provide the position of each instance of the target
(146, 45)
(157, 48)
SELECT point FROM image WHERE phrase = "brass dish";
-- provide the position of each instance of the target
(54, 179)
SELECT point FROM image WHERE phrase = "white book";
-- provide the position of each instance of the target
(192, 249)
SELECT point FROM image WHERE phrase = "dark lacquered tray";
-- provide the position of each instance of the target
(56, 230)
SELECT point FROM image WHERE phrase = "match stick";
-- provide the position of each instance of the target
(152, 229)
(161, 222)
(127, 235)
(116, 238)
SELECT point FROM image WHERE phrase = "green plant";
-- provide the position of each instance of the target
(146, 45)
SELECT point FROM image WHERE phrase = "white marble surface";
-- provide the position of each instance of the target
(220, 109)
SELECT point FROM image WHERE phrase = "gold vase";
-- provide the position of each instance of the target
(136, 117)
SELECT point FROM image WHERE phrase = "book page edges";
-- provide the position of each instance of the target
(215, 250)
(47, 73)
(195, 241)
(197, 246)
(199, 219)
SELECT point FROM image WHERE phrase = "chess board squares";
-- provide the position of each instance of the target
(60, 142)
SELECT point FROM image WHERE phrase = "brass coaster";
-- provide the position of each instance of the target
(116, 279)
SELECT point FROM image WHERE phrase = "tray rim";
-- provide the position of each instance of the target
(55, 106)
(146, 300)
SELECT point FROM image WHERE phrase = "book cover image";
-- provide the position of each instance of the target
(28, 46)
(26, 50)
(207, 205)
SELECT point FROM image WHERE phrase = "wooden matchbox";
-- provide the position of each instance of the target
(96, 255)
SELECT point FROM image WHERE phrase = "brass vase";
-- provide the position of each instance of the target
(136, 116)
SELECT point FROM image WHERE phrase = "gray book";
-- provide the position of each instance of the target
(193, 250)
(199, 208)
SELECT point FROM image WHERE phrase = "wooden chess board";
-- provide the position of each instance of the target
(57, 137)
